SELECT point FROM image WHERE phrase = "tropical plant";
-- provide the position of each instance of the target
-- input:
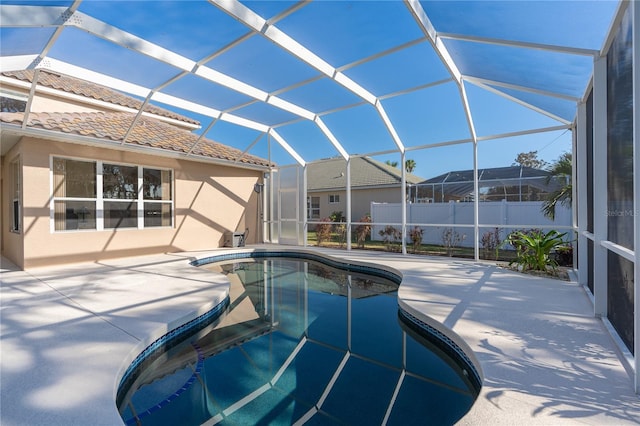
(564, 255)
(337, 217)
(391, 163)
(410, 165)
(534, 248)
(560, 169)
(363, 230)
(339, 227)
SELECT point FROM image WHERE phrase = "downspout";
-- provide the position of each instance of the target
(403, 184)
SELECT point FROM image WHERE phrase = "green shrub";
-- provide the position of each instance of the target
(534, 248)
(390, 235)
(323, 231)
(364, 230)
(416, 237)
(451, 239)
(490, 241)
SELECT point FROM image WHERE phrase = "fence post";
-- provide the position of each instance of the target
(452, 212)
(504, 214)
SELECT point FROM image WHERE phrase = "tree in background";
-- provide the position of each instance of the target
(561, 169)
(410, 165)
(529, 159)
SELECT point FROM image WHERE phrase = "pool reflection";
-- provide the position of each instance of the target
(302, 342)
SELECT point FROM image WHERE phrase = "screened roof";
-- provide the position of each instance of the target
(300, 81)
(460, 183)
(493, 174)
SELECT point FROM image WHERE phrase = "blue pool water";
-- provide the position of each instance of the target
(300, 342)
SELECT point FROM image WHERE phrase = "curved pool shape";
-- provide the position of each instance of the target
(299, 341)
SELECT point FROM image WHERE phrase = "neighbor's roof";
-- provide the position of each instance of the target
(365, 172)
(460, 183)
(489, 174)
(95, 91)
(113, 126)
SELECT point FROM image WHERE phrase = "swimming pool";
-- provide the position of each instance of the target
(300, 341)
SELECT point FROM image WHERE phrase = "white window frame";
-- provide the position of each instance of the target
(53, 198)
(16, 96)
(144, 201)
(311, 209)
(100, 172)
(100, 199)
(334, 198)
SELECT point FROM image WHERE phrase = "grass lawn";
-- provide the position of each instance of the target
(423, 249)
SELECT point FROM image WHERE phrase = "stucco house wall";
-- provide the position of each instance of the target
(209, 199)
(361, 199)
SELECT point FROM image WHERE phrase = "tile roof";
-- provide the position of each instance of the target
(365, 172)
(91, 90)
(147, 132)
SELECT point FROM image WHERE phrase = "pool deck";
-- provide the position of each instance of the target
(67, 333)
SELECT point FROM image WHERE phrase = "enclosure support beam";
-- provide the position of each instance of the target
(429, 31)
(348, 203)
(580, 188)
(272, 195)
(403, 201)
(476, 186)
(600, 253)
(635, 25)
(265, 28)
(303, 202)
(292, 152)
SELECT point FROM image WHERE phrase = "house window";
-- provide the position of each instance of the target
(157, 197)
(313, 207)
(12, 101)
(16, 188)
(127, 196)
(334, 199)
(74, 194)
(120, 194)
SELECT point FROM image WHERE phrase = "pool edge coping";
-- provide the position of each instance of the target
(244, 253)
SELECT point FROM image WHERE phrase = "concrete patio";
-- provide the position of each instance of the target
(68, 333)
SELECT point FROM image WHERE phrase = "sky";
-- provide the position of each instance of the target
(415, 89)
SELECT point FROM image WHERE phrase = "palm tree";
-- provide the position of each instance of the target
(560, 169)
(391, 163)
(410, 165)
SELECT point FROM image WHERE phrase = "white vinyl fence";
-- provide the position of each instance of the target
(436, 218)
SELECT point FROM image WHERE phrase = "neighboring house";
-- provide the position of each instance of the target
(371, 181)
(514, 183)
(85, 178)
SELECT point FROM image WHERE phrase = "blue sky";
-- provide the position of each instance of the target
(341, 33)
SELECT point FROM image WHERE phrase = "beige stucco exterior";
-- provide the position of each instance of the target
(209, 199)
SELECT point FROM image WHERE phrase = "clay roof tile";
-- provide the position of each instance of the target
(94, 91)
(147, 132)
